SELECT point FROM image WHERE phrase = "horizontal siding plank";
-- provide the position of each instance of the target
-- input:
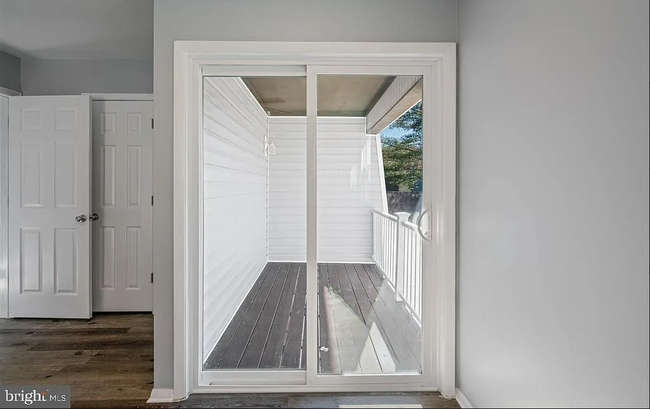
(234, 202)
(349, 187)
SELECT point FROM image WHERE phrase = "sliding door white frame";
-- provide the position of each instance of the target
(227, 379)
(438, 63)
(418, 381)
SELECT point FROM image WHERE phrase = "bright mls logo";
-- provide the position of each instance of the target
(35, 397)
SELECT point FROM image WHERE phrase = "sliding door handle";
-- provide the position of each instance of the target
(426, 237)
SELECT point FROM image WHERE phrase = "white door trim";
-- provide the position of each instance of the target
(5, 93)
(120, 97)
(189, 59)
(4, 205)
(8, 92)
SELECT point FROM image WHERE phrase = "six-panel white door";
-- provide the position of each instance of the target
(122, 198)
(49, 202)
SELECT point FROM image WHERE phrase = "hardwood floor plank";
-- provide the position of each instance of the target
(96, 344)
(395, 399)
(101, 359)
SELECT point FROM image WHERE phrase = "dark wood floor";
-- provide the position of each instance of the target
(105, 358)
(108, 362)
(362, 329)
(318, 400)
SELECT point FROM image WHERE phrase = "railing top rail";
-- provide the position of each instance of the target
(386, 215)
(410, 226)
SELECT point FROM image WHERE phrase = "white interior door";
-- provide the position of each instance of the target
(122, 198)
(49, 202)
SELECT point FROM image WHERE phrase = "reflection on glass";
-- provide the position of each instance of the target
(369, 251)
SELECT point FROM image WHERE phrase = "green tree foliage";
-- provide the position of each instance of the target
(403, 154)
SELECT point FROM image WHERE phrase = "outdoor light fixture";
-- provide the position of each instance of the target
(269, 148)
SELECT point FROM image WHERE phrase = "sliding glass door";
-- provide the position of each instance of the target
(254, 227)
(368, 225)
(316, 184)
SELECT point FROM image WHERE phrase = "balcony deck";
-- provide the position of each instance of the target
(362, 329)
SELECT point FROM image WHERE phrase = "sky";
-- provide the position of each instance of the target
(395, 132)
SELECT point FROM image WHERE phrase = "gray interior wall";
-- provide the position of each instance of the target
(281, 20)
(9, 71)
(70, 77)
(553, 179)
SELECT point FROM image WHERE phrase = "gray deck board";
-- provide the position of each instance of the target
(218, 352)
(257, 341)
(272, 353)
(361, 327)
(397, 322)
(326, 357)
(292, 347)
(233, 355)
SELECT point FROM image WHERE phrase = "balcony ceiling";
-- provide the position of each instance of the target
(338, 95)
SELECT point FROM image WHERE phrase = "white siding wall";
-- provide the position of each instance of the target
(349, 187)
(235, 219)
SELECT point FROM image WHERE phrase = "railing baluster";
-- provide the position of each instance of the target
(397, 251)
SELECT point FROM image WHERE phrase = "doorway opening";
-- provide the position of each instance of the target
(254, 206)
(303, 278)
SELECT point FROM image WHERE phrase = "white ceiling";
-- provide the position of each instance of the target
(77, 29)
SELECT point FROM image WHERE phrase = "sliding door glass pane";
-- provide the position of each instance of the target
(254, 232)
(369, 142)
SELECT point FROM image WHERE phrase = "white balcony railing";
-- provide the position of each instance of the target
(397, 251)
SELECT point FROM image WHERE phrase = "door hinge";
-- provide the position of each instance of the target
(151, 123)
(152, 278)
(152, 200)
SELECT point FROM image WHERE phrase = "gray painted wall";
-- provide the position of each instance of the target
(69, 77)
(281, 20)
(9, 71)
(553, 251)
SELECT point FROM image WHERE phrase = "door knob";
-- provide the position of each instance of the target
(94, 217)
(81, 218)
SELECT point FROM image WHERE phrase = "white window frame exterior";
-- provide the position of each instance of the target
(437, 63)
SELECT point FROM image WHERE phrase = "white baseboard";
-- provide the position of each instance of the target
(160, 395)
(462, 400)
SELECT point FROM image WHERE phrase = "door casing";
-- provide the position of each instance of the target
(437, 63)
(5, 93)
